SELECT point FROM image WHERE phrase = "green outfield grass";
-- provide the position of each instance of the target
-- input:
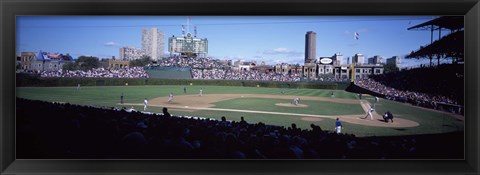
(430, 121)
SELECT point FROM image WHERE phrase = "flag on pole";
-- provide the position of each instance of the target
(183, 30)
(357, 35)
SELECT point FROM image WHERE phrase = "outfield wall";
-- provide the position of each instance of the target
(23, 80)
(169, 72)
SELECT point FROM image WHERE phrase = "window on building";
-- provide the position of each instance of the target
(377, 71)
(357, 70)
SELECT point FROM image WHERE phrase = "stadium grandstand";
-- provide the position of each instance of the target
(450, 46)
(416, 85)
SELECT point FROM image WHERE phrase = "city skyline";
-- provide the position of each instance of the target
(273, 39)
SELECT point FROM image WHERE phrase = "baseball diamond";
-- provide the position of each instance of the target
(267, 105)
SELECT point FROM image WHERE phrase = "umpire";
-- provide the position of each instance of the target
(388, 116)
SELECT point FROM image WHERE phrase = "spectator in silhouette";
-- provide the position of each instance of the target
(133, 144)
(165, 112)
(178, 146)
(242, 121)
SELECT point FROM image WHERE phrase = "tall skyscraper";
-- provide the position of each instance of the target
(153, 43)
(310, 46)
(358, 59)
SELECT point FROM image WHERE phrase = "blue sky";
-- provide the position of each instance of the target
(273, 39)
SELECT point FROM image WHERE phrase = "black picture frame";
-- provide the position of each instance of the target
(9, 9)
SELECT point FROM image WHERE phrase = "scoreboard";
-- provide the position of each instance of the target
(188, 45)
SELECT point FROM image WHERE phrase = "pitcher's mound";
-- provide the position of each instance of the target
(292, 105)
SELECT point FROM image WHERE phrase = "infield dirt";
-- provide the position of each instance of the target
(205, 102)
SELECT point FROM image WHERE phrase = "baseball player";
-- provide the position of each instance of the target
(295, 101)
(170, 98)
(121, 99)
(388, 116)
(369, 114)
(338, 126)
(145, 103)
(201, 92)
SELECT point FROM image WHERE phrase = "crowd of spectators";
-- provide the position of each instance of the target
(330, 79)
(193, 62)
(416, 98)
(260, 76)
(62, 130)
(208, 74)
(213, 69)
(253, 75)
(127, 72)
(440, 87)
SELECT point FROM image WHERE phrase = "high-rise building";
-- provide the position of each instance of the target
(310, 46)
(395, 60)
(358, 59)
(337, 59)
(153, 43)
(377, 59)
(131, 53)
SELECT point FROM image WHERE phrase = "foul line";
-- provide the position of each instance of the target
(237, 110)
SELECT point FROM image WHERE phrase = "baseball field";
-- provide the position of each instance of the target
(267, 105)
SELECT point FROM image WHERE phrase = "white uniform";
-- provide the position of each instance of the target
(170, 98)
(201, 92)
(296, 100)
(338, 126)
(370, 113)
(145, 103)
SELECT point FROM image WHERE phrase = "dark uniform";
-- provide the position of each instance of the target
(388, 116)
